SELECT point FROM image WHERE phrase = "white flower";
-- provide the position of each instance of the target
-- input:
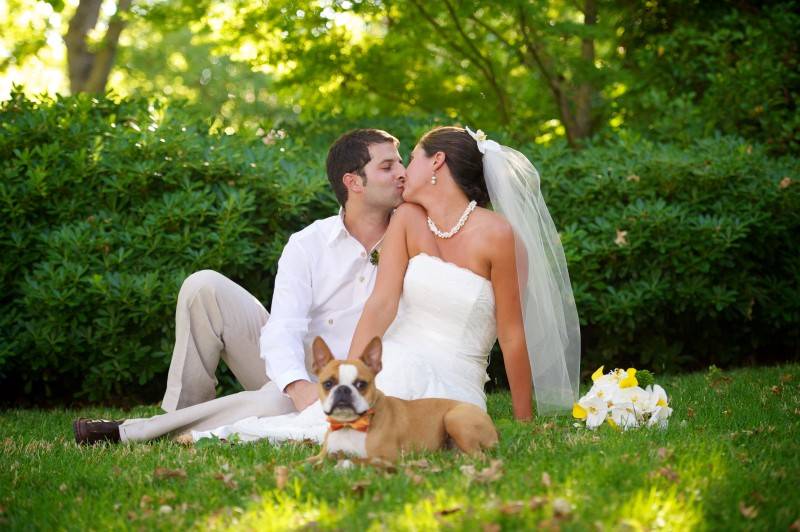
(640, 399)
(624, 415)
(592, 408)
(658, 407)
(484, 144)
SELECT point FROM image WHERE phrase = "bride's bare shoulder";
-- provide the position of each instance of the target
(495, 226)
(409, 214)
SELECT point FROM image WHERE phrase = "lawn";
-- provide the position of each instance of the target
(729, 460)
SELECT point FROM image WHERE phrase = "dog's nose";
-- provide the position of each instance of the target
(344, 390)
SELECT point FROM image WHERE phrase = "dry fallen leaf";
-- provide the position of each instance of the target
(749, 512)
(165, 509)
(281, 476)
(561, 508)
(537, 502)
(795, 527)
(448, 511)
(546, 480)
(776, 390)
(163, 472)
(667, 473)
(227, 479)
(490, 527)
(359, 485)
(622, 238)
(663, 453)
(690, 412)
(423, 464)
(386, 465)
(785, 182)
(413, 477)
(786, 377)
(145, 501)
(488, 474)
(513, 507)
(633, 177)
(491, 473)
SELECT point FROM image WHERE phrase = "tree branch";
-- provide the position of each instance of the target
(104, 59)
(79, 58)
(471, 53)
(554, 80)
(489, 72)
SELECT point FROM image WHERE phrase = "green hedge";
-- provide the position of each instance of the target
(707, 268)
(107, 206)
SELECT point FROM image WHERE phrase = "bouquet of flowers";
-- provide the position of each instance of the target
(618, 398)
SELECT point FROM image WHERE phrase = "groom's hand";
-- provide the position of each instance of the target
(302, 393)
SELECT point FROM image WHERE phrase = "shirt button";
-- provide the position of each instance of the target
(330, 322)
(361, 279)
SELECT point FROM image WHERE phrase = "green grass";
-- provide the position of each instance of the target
(729, 460)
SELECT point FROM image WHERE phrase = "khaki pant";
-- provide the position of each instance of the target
(214, 318)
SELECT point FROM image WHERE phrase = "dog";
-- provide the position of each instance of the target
(365, 423)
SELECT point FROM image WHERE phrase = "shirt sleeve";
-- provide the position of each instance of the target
(282, 337)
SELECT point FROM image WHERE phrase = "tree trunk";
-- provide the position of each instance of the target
(585, 90)
(88, 71)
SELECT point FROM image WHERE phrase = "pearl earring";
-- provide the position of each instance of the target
(433, 179)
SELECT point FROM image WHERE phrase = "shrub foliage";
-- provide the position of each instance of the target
(681, 254)
(106, 207)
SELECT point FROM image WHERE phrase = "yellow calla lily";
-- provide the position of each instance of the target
(597, 374)
(578, 412)
(630, 380)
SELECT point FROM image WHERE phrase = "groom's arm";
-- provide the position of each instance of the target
(282, 337)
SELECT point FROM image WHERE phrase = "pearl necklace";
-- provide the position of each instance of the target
(461, 221)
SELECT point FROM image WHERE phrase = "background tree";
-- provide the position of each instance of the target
(89, 69)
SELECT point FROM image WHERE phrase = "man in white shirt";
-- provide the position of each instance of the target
(325, 274)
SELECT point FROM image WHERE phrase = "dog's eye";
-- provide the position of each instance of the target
(361, 385)
(328, 384)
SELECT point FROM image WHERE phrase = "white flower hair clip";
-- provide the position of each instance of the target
(484, 144)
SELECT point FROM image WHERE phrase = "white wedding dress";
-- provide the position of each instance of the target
(437, 346)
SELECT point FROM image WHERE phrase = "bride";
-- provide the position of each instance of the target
(453, 277)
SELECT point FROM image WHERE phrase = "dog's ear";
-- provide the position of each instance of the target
(322, 355)
(372, 355)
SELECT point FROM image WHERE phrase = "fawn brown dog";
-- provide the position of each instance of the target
(365, 423)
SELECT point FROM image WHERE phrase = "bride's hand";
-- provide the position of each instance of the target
(302, 393)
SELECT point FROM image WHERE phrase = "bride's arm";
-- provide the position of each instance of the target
(510, 328)
(381, 307)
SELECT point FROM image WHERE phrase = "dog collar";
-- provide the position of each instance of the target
(360, 424)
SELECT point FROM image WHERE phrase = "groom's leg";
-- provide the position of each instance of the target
(214, 317)
(267, 401)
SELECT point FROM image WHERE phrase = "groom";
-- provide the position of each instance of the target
(325, 275)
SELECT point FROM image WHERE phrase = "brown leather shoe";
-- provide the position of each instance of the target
(89, 431)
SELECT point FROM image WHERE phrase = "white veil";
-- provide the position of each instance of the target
(552, 329)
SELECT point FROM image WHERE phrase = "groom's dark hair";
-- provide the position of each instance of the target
(350, 154)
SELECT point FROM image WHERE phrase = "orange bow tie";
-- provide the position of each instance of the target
(360, 424)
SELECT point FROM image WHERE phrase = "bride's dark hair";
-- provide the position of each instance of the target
(463, 159)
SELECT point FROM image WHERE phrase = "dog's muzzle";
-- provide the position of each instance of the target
(343, 398)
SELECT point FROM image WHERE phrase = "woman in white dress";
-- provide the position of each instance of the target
(453, 277)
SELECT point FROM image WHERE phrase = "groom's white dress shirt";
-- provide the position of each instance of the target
(324, 278)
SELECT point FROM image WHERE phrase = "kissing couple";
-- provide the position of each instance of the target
(414, 257)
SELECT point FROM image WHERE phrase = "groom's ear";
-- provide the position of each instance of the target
(353, 181)
(372, 355)
(322, 355)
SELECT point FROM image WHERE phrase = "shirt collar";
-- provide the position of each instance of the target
(339, 230)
